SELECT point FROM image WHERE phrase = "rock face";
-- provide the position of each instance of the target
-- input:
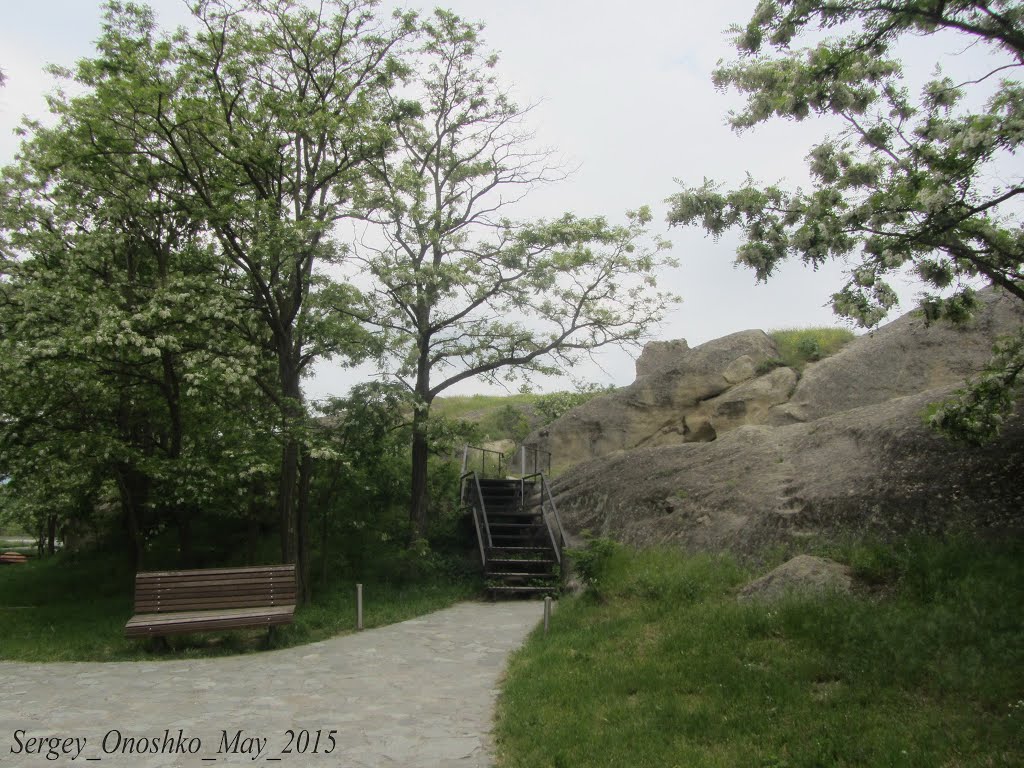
(675, 401)
(708, 453)
(804, 574)
(901, 358)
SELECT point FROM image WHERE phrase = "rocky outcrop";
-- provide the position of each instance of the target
(876, 470)
(659, 355)
(901, 358)
(673, 402)
(710, 452)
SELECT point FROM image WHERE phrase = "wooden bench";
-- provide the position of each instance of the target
(175, 602)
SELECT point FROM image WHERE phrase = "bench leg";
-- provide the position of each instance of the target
(159, 644)
(271, 634)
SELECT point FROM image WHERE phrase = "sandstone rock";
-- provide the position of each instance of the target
(876, 470)
(706, 455)
(901, 358)
(654, 410)
(747, 403)
(804, 574)
(659, 355)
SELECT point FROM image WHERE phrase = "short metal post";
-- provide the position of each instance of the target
(359, 606)
(547, 613)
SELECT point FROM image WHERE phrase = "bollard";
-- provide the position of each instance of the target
(547, 613)
(359, 606)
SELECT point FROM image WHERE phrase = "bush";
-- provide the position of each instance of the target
(800, 346)
(591, 562)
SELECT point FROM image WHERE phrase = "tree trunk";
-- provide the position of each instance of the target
(186, 554)
(304, 587)
(132, 500)
(292, 499)
(420, 452)
(51, 534)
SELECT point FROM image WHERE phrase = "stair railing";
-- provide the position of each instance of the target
(478, 510)
(485, 454)
(535, 457)
(547, 501)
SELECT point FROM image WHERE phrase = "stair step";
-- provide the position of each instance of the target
(519, 561)
(519, 575)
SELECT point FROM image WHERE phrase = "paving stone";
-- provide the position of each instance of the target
(419, 694)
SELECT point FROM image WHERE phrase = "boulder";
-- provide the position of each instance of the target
(654, 409)
(659, 355)
(803, 575)
(901, 358)
(747, 403)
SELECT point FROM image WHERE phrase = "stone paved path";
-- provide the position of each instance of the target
(415, 694)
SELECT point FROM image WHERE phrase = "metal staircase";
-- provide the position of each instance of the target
(519, 533)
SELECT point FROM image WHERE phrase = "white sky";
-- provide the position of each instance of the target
(625, 93)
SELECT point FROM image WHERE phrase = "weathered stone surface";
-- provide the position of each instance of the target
(875, 470)
(748, 403)
(803, 574)
(901, 358)
(659, 355)
(712, 456)
(654, 409)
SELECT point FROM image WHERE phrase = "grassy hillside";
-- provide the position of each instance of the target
(661, 666)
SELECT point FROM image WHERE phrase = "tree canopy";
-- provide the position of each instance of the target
(173, 260)
(923, 182)
(460, 289)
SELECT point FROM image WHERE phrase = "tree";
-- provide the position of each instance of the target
(121, 362)
(920, 184)
(264, 119)
(461, 291)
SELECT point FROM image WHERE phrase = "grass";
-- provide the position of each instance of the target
(800, 346)
(65, 608)
(663, 667)
(473, 406)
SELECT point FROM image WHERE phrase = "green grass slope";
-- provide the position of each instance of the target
(661, 667)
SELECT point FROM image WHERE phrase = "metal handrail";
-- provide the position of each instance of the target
(545, 489)
(478, 512)
(483, 457)
(536, 455)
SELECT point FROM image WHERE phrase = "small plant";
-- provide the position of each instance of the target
(769, 365)
(809, 348)
(591, 562)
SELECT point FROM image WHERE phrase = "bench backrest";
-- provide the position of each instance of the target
(214, 588)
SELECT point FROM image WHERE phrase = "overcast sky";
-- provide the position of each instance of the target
(624, 92)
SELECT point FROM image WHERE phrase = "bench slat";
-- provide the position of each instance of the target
(209, 580)
(145, 625)
(208, 604)
(216, 589)
(172, 602)
(253, 569)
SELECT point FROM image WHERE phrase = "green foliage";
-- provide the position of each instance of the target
(669, 669)
(977, 411)
(800, 346)
(769, 365)
(73, 608)
(911, 184)
(591, 563)
(557, 404)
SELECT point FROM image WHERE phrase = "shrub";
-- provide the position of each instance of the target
(800, 346)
